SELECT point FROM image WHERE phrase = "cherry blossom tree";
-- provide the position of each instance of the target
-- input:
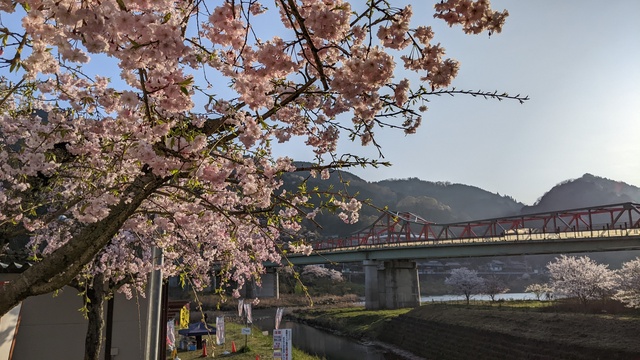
(494, 286)
(310, 280)
(629, 292)
(582, 278)
(539, 290)
(311, 272)
(465, 282)
(175, 149)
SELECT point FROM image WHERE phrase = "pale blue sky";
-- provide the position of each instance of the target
(579, 62)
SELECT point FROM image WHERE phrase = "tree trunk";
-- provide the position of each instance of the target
(96, 295)
(60, 267)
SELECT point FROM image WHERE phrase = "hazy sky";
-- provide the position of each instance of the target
(579, 62)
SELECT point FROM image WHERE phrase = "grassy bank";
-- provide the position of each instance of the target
(525, 321)
(536, 320)
(356, 322)
(258, 344)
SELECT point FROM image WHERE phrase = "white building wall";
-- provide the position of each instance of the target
(52, 327)
(8, 324)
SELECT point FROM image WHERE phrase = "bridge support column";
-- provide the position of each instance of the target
(270, 287)
(391, 285)
(371, 293)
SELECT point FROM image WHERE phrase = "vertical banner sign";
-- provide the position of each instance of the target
(220, 330)
(184, 317)
(279, 312)
(247, 311)
(282, 344)
(171, 335)
(240, 303)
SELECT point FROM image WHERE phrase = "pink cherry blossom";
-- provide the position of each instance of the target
(156, 124)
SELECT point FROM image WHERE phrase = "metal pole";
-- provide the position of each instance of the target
(109, 330)
(152, 344)
(164, 319)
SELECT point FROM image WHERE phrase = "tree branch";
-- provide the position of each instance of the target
(44, 276)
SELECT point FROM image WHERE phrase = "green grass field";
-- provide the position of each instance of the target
(258, 346)
(351, 321)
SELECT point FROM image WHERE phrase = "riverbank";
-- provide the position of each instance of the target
(487, 331)
(259, 346)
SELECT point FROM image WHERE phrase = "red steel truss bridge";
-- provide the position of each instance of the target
(398, 235)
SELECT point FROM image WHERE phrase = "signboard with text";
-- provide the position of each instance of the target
(282, 344)
(220, 330)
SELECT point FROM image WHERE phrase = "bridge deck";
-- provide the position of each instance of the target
(406, 236)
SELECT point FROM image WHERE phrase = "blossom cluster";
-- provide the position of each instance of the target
(629, 290)
(316, 272)
(115, 164)
(583, 278)
(350, 210)
(474, 16)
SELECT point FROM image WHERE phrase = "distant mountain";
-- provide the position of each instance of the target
(434, 201)
(447, 202)
(444, 202)
(588, 190)
(379, 195)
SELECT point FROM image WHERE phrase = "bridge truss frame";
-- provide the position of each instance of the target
(402, 229)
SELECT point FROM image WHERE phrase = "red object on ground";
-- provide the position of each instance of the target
(204, 348)
(233, 346)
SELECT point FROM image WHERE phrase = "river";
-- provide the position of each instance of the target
(321, 343)
(508, 296)
(333, 347)
(330, 346)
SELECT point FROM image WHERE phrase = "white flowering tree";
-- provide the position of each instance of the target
(465, 282)
(494, 286)
(539, 290)
(317, 271)
(629, 292)
(582, 278)
(157, 121)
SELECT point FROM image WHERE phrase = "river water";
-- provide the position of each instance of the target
(333, 347)
(508, 296)
(330, 346)
(322, 343)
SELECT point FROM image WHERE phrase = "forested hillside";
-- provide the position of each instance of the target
(444, 202)
(463, 202)
(588, 190)
(434, 201)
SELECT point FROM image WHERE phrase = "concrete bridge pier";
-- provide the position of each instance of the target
(270, 287)
(371, 294)
(391, 284)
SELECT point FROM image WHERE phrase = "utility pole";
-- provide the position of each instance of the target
(152, 343)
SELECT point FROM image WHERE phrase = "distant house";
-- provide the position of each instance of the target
(431, 267)
(517, 266)
(495, 265)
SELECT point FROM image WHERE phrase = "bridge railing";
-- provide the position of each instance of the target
(612, 221)
(354, 244)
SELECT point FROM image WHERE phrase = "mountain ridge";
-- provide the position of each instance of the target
(445, 202)
(585, 191)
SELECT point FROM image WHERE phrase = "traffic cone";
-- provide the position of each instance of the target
(257, 357)
(233, 346)
(204, 348)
